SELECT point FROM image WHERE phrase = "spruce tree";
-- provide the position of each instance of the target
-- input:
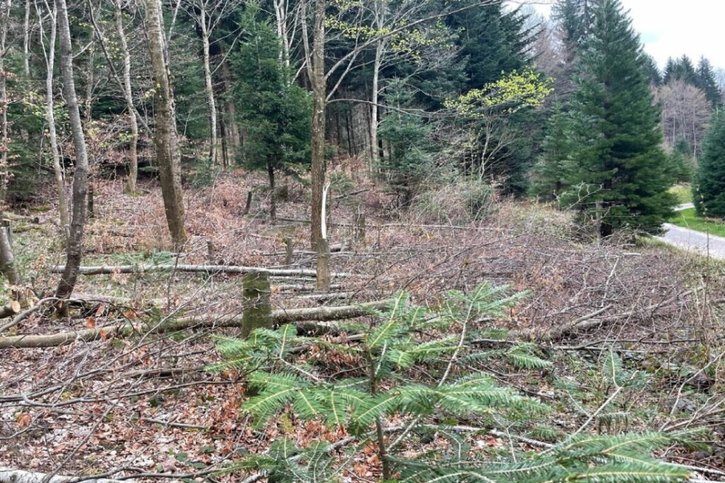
(618, 181)
(706, 82)
(709, 186)
(274, 111)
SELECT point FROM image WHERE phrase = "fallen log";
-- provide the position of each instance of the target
(282, 316)
(109, 270)
(8, 475)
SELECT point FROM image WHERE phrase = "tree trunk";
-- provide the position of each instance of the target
(281, 13)
(209, 83)
(232, 135)
(166, 141)
(7, 261)
(272, 193)
(50, 118)
(374, 111)
(74, 249)
(26, 40)
(4, 140)
(128, 94)
(319, 93)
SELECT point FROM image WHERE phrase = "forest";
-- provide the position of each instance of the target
(357, 241)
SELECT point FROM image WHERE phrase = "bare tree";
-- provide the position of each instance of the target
(49, 54)
(74, 248)
(208, 14)
(685, 113)
(128, 95)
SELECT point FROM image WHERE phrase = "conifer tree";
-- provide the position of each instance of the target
(706, 82)
(274, 111)
(709, 186)
(618, 181)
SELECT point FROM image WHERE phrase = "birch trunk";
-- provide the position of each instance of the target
(209, 83)
(166, 141)
(74, 249)
(128, 94)
(50, 118)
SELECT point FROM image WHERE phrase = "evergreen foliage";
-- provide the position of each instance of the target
(553, 172)
(706, 82)
(406, 367)
(619, 180)
(274, 111)
(709, 185)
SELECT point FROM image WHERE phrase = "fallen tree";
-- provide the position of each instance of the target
(109, 270)
(281, 316)
(8, 475)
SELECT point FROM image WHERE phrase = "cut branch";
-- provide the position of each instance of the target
(8, 475)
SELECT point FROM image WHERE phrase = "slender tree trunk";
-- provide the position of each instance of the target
(50, 118)
(281, 14)
(74, 249)
(166, 141)
(128, 94)
(26, 40)
(231, 129)
(319, 94)
(4, 131)
(272, 194)
(209, 83)
(374, 108)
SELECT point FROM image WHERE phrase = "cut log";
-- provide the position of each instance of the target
(108, 270)
(8, 475)
(279, 317)
(12, 308)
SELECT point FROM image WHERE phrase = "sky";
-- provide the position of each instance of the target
(672, 28)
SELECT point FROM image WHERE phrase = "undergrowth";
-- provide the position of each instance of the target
(415, 387)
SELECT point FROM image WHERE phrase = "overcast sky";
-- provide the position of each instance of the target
(672, 28)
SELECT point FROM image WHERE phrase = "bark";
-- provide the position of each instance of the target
(232, 136)
(4, 140)
(168, 156)
(281, 13)
(319, 93)
(8, 475)
(74, 249)
(209, 84)
(279, 317)
(272, 195)
(7, 260)
(257, 307)
(58, 173)
(279, 272)
(26, 39)
(128, 95)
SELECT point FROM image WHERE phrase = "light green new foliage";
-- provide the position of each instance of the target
(422, 366)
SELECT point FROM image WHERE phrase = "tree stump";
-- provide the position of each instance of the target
(257, 307)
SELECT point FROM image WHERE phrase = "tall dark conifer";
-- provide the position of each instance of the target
(709, 185)
(619, 180)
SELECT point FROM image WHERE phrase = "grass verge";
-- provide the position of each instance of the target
(689, 219)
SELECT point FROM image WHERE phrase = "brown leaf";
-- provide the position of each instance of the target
(24, 420)
(90, 323)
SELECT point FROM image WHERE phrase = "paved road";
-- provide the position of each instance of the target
(694, 241)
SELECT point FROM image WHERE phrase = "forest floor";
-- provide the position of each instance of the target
(146, 406)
